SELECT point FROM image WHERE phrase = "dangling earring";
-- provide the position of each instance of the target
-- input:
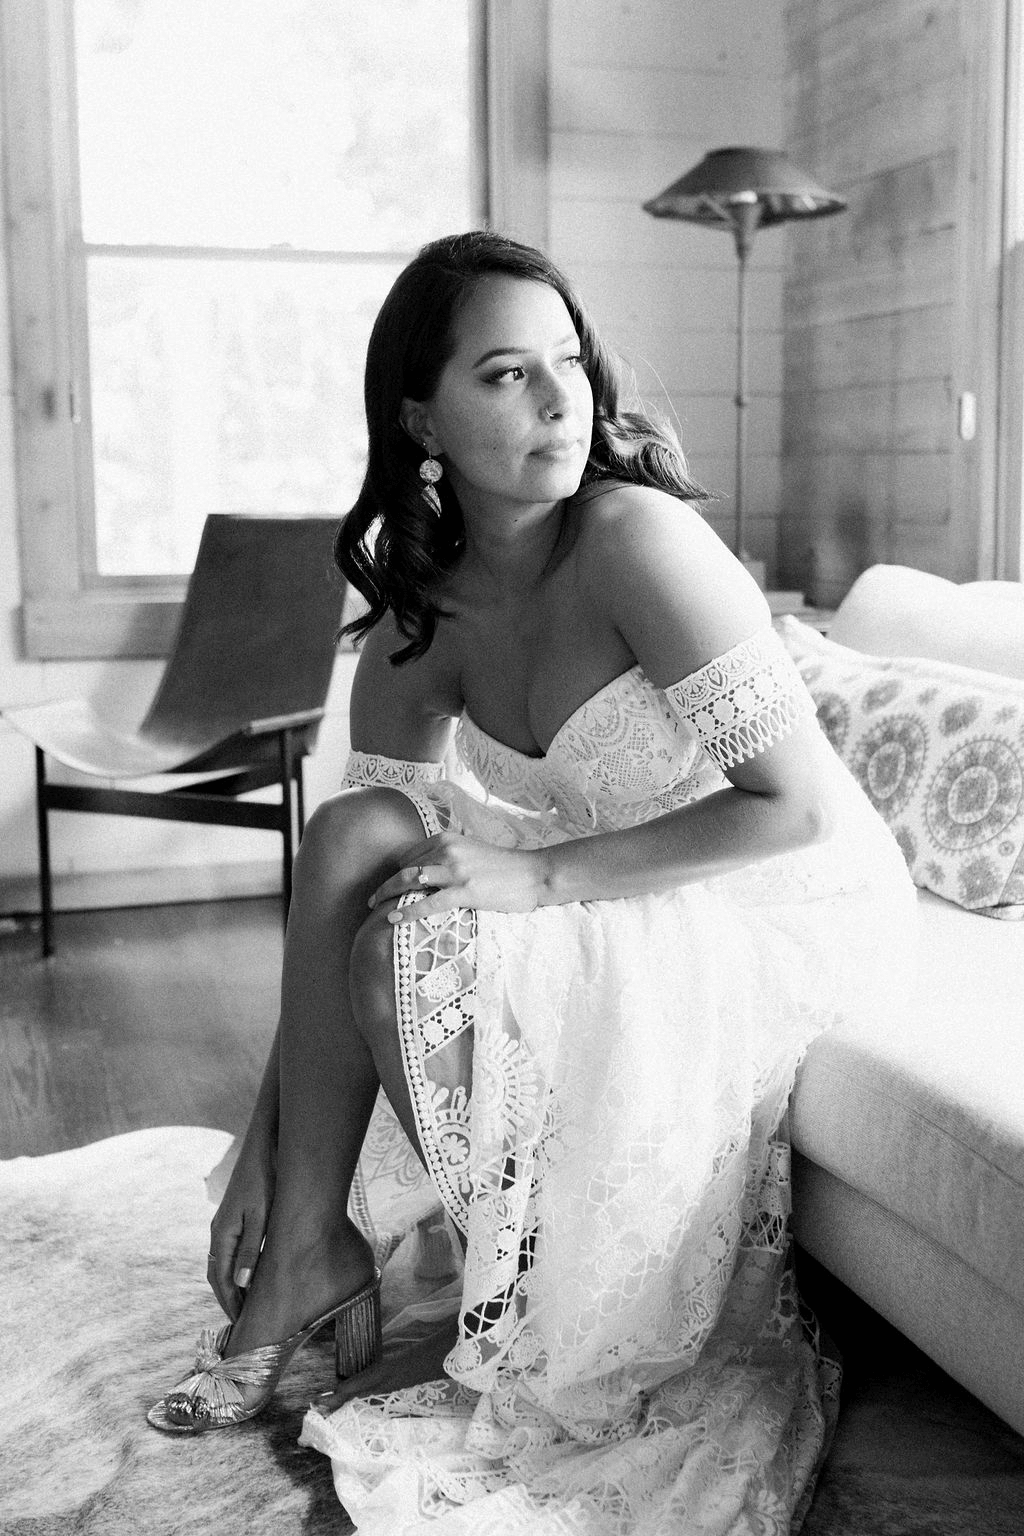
(430, 473)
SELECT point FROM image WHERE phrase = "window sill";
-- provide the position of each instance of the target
(83, 626)
(106, 626)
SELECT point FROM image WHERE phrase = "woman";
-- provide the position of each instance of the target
(585, 992)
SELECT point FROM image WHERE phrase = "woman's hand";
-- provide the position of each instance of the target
(456, 871)
(237, 1230)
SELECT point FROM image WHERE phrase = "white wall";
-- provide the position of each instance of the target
(638, 93)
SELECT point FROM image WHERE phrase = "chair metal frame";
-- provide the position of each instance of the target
(211, 801)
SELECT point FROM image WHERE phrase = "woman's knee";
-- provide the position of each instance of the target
(355, 838)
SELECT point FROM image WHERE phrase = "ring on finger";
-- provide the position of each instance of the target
(421, 875)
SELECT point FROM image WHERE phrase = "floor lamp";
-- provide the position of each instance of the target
(743, 190)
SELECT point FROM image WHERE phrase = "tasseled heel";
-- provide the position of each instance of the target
(357, 1336)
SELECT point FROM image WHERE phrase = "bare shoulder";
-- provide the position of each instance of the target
(659, 570)
(638, 522)
(403, 711)
(629, 517)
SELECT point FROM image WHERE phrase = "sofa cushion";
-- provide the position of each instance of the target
(926, 1120)
(939, 751)
(892, 610)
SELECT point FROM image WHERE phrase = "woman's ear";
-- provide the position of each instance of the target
(415, 418)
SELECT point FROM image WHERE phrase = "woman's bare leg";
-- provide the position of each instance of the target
(420, 1355)
(313, 1257)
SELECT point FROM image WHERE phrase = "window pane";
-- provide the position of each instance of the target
(222, 386)
(325, 124)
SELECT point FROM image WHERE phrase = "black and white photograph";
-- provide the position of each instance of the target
(512, 767)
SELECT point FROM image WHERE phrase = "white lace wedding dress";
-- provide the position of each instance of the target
(600, 1090)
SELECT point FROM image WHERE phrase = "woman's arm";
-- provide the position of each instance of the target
(722, 831)
(680, 599)
(237, 1229)
(403, 713)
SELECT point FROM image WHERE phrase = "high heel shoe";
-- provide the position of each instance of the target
(211, 1398)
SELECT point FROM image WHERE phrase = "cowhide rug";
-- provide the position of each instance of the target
(102, 1294)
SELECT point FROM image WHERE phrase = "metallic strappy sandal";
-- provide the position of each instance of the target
(212, 1398)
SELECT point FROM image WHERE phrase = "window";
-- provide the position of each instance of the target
(239, 228)
(206, 206)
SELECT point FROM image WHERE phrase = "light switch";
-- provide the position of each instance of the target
(967, 415)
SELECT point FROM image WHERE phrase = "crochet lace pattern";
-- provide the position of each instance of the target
(744, 700)
(599, 1091)
(372, 769)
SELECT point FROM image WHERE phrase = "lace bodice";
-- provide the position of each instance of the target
(623, 757)
(631, 751)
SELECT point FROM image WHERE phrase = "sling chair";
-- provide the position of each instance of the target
(239, 702)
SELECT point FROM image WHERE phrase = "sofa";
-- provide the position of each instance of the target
(908, 1144)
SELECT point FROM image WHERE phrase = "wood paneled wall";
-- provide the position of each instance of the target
(640, 90)
(888, 307)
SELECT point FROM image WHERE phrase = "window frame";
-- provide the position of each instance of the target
(1007, 198)
(68, 611)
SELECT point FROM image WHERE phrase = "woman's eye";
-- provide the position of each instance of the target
(517, 372)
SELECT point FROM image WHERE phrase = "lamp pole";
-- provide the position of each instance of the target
(744, 216)
(743, 189)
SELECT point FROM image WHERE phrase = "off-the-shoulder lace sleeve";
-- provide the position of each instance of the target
(368, 769)
(744, 700)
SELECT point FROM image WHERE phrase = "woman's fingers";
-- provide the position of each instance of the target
(231, 1262)
(431, 906)
(411, 877)
(457, 871)
(218, 1272)
(423, 851)
(245, 1262)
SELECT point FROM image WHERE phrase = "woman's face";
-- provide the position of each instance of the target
(513, 411)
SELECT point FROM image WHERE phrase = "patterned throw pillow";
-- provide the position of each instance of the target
(939, 751)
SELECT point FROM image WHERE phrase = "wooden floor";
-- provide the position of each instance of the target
(164, 1015)
(153, 1016)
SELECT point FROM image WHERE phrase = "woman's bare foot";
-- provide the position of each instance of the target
(403, 1364)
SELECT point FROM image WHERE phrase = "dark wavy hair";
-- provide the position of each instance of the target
(390, 547)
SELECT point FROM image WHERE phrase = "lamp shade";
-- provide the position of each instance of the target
(728, 179)
(742, 190)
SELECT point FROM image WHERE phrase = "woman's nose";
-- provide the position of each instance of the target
(557, 399)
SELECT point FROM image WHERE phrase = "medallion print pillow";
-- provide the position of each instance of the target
(939, 751)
